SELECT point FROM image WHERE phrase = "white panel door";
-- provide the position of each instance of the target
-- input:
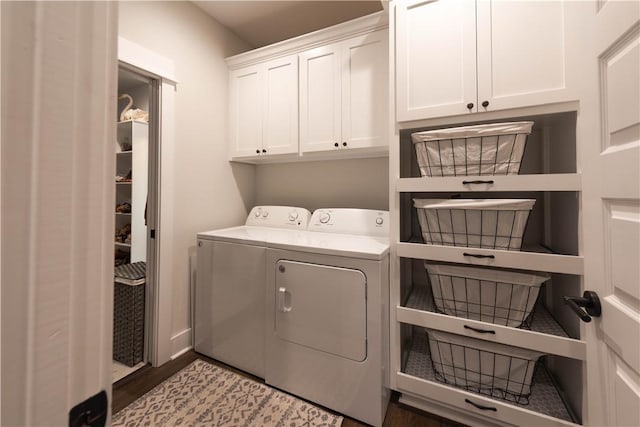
(521, 53)
(59, 63)
(322, 307)
(365, 94)
(436, 58)
(280, 127)
(612, 214)
(320, 98)
(246, 105)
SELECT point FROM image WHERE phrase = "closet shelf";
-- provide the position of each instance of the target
(533, 182)
(540, 260)
(545, 397)
(542, 321)
(124, 213)
(122, 245)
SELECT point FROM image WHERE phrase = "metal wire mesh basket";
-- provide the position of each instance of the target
(484, 367)
(500, 297)
(490, 149)
(474, 223)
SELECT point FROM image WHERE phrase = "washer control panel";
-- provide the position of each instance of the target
(279, 217)
(365, 222)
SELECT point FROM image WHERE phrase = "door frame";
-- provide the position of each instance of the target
(161, 70)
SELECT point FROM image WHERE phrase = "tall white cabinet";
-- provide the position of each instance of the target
(529, 61)
(476, 56)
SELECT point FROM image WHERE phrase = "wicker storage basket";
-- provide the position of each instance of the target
(501, 297)
(128, 313)
(474, 223)
(485, 367)
(490, 149)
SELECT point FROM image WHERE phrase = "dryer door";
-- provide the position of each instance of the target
(322, 307)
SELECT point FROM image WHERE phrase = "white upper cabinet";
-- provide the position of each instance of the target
(264, 108)
(521, 53)
(456, 57)
(436, 58)
(280, 118)
(320, 94)
(344, 94)
(365, 90)
(246, 111)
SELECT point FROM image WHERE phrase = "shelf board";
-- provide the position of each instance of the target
(124, 152)
(124, 182)
(123, 213)
(545, 398)
(122, 245)
(535, 261)
(533, 182)
(545, 334)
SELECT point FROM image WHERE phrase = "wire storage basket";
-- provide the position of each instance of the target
(474, 223)
(489, 149)
(484, 367)
(501, 297)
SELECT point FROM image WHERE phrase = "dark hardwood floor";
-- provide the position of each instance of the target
(140, 382)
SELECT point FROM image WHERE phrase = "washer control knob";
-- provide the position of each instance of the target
(379, 220)
(265, 214)
(257, 213)
(293, 215)
(325, 217)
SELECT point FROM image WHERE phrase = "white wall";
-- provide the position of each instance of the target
(357, 183)
(209, 191)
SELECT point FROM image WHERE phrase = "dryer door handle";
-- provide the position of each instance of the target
(284, 300)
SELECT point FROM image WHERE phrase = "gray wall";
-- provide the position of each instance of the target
(209, 192)
(357, 183)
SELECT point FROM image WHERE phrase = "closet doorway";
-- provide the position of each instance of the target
(136, 151)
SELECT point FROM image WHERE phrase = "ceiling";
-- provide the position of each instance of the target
(265, 22)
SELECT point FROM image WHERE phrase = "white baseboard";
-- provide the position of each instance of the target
(181, 343)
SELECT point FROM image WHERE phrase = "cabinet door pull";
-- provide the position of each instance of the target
(480, 331)
(485, 104)
(258, 151)
(470, 105)
(478, 255)
(336, 144)
(479, 181)
(481, 407)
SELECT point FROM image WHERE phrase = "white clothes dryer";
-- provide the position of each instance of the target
(328, 315)
(231, 282)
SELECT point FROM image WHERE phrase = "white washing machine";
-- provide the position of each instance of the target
(231, 282)
(328, 315)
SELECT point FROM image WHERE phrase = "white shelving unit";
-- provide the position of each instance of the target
(131, 161)
(551, 244)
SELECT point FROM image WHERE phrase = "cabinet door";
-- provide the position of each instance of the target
(320, 99)
(522, 55)
(365, 94)
(436, 58)
(280, 113)
(246, 105)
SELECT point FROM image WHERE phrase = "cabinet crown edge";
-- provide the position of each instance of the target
(363, 25)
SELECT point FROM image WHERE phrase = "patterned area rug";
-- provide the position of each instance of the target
(206, 395)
